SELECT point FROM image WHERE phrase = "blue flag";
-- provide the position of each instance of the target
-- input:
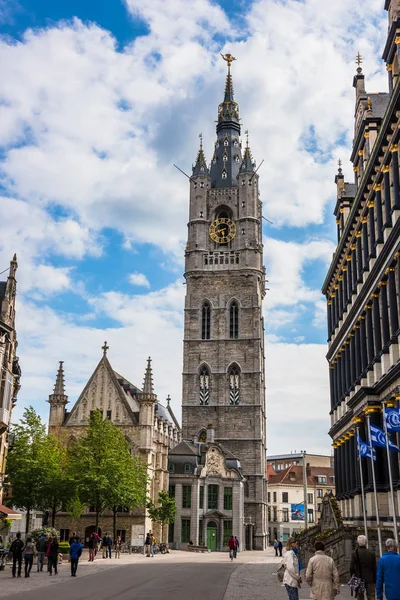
(379, 439)
(392, 419)
(364, 450)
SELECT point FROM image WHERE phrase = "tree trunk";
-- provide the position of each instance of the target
(115, 523)
(53, 515)
(28, 518)
(97, 520)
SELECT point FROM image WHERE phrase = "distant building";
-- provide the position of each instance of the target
(286, 509)
(208, 486)
(149, 427)
(10, 371)
(362, 289)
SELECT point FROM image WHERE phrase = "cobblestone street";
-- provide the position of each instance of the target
(176, 576)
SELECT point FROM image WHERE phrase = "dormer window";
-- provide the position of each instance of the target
(237, 159)
(225, 157)
(226, 143)
(171, 467)
(188, 468)
(224, 175)
(235, 144)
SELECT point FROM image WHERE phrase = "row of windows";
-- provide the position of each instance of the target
(205, 385)
(212, 496)
(233, 320)
(285, 496)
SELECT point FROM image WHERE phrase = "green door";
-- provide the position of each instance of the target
(212, 536)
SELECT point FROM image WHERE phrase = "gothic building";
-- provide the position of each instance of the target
(150, 428)
(223, 362)
(10, 371)
(362, 287)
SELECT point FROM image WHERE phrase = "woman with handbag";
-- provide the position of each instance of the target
(363, 568)
(322, 575)
(293, 567)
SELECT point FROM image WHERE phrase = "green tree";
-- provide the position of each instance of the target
(106, 476)
(165, 512)
(57, 487)
(26, 467)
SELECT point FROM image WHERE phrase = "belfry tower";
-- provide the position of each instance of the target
(223, 363)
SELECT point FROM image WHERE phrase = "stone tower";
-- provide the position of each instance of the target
(223, 362)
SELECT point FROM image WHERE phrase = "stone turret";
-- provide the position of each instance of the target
(58, 401)
(147, 399)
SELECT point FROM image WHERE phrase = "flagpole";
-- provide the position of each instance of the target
(362, 484)
(396, 535)
(378, 523)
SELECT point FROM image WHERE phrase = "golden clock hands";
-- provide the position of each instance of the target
(222, 231)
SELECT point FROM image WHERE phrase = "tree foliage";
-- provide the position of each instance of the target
(26, 463)
(106, 475)
(165, 512)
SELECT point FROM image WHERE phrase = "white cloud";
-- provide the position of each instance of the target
(139, 279)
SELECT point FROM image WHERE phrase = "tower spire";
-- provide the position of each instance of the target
(247, 165)
(200, 167)
(228, 111)
(148, 388)
(59, 387)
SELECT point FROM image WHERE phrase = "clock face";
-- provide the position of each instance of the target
(222, 230)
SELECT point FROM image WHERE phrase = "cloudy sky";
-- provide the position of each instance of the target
(98, 99)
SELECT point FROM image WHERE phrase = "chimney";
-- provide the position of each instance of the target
(210, 433)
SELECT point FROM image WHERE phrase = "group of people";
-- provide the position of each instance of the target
(149, 544)
(323, 578)
(233, 545)
(46, 546)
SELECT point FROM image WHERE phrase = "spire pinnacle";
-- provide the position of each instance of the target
(339, 167)
(58, 396)
(148, 388)
(359, 59)
(105, 348)
(228, 111)
(59, 387)
(200, 167)
(247, 165)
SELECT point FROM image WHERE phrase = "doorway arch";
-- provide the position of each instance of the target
(88, 532)
(212, 536)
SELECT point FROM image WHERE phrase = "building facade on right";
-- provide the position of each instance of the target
(362, 289)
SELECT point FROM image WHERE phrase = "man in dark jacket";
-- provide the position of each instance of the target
(389, 573)
(16, 549)
(104, 545)
(280, 547)
(363, 565)
(75, 552)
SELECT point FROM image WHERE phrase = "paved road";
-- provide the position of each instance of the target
(190, 581)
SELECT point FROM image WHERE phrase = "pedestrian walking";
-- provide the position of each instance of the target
(147, 544)
(363, 566)
(232, 547)
(41, 547)
(237, 545)
(75, 552)
(52, 555)
(16, 549)
(276, 546)
(280, 548)
(104, 545)
(29, 553)
(322, 575)
(293, 567)
(118, 544)
(109, 546)
(153, 543)
(388, 575)
(73, 536)
(92, 544)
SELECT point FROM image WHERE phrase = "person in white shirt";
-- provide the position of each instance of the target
(291, 577)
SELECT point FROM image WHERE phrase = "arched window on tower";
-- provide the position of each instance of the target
(206, 321)
(204, 386)
(234, 320)
(234, 385)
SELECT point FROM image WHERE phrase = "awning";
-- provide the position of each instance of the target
(9, 513)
